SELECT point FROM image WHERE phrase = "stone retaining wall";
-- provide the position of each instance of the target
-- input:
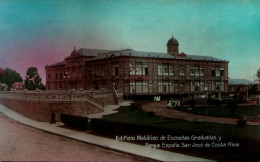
(41, 111)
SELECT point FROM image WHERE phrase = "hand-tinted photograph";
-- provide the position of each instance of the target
(129, 80)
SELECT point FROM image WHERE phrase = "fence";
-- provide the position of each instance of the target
(54, 96)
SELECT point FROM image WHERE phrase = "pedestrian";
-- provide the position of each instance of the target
(257, 100)
(53, 120)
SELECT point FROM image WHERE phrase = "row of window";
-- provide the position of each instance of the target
(73, 74)
(168, 70)
(168, 87)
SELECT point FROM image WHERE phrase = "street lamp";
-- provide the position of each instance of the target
(247, 92)
(206, 96)
(66, 77)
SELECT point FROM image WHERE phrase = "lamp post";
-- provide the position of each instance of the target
(247, 92)
(66, 77)
(206, 96)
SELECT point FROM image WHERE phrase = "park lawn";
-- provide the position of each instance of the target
(224, 111)
(133, 116)
(248, 137)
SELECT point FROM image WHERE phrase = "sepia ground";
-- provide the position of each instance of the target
(160, 109)
(19, 142)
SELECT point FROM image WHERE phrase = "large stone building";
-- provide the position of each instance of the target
(140, 73)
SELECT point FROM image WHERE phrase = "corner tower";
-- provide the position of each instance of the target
(173, 46)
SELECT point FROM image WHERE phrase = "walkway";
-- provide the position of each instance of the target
(110, 109)
(160, 109)
(99, 141)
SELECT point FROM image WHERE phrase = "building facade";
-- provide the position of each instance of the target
(140, 73)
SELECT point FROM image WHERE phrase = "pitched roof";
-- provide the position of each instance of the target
(91, 52)
(206, 58)
(130, 52)
(239, 82)
(58, 63)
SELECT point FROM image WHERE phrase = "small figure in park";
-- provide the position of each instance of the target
(257, 100)
(169, 104)
(53, 120)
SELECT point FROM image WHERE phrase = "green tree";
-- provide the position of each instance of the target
(33, 80)
(10, 77)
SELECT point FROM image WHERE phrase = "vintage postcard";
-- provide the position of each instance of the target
(129, 80)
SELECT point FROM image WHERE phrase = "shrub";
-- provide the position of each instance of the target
(241, 123)
(75, 121)
(232, 106)
(136, 106)
(218, 103)
(192, 103)
(150, 114)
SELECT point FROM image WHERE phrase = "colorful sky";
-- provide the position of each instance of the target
(41, 32)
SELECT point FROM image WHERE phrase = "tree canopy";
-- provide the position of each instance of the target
(33, 80)
(9, 77)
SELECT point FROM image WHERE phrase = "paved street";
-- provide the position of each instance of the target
(19, 142)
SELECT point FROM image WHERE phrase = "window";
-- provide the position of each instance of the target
(213, 72)
(138, 68)
(160, 71)
(171, 72)
(197, 73)
(201, 86)
(146, 71)
(182, 69)
(171, 85)
(116, 70)
(221, 71)
(145, 87)
(192, 71)
(49, 76)
(132, 87)
(197, 86)
(165, 70)
(160, 87)
(60, 75)
(222, 86)
(192, 86)
(201, 71)
(213, 86)
(217, 71)
(115, 85)
(132, 69)
(57, 75)
(139, 87)
(165, 87)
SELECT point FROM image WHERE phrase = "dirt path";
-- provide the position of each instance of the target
(19, 142)
(160, 109)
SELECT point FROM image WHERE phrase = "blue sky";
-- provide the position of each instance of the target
(37, 32)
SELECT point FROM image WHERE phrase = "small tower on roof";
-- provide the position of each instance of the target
(74, 52)
(173, 46)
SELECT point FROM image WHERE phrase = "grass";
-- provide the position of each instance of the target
(248, 137)
(129, 115)
(223, 111)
